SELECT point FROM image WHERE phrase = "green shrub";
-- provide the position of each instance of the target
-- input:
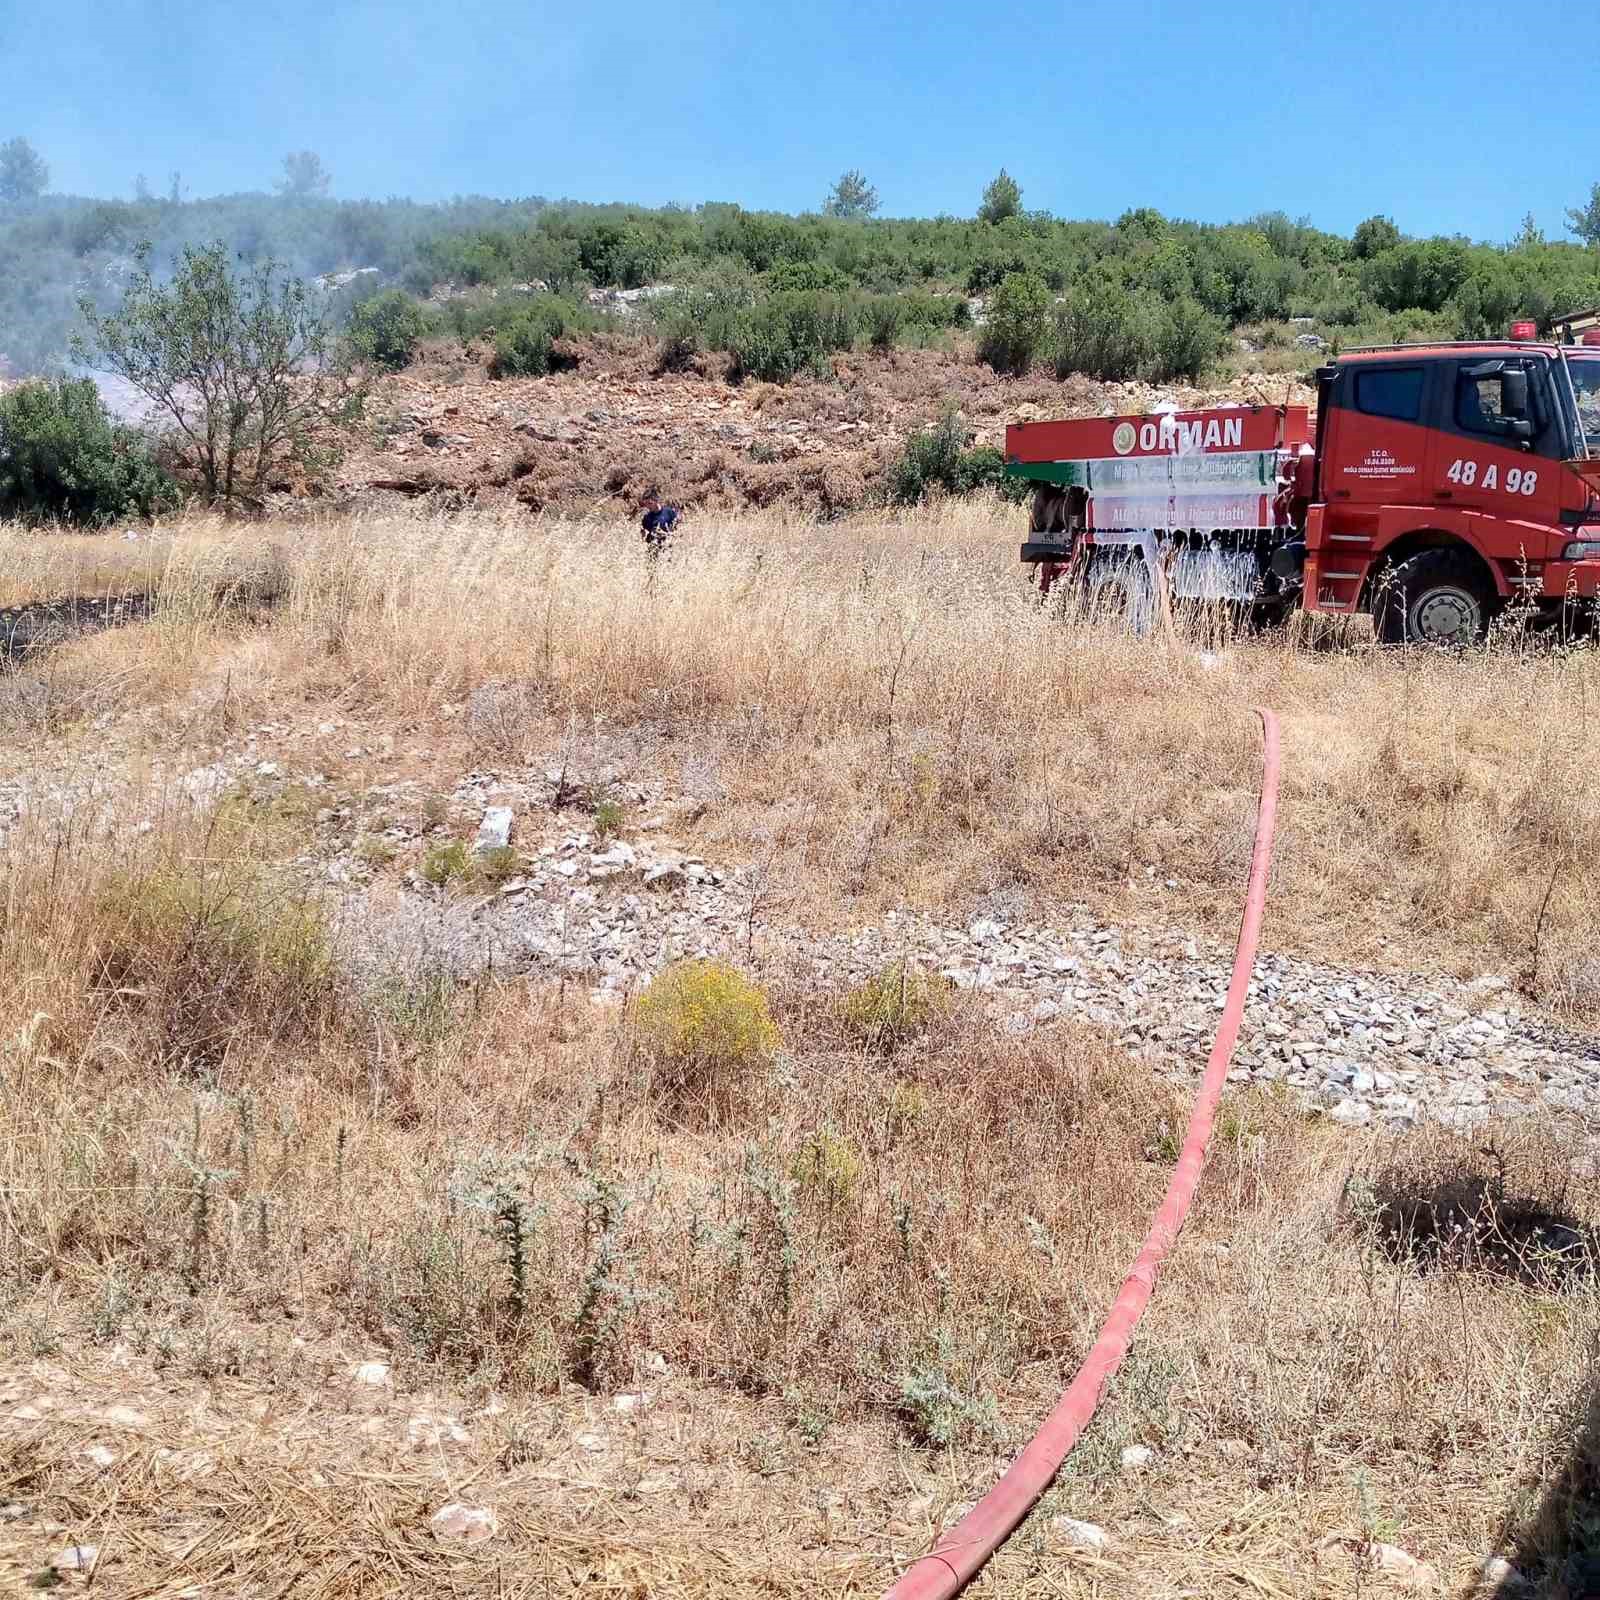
(793, 332)
(938, 1411)
(1187, 341)
(445, 861)
(934, 310)
(524, 343)
(807, 277)
(897, 1005)
(61, 456)
(828, 1167)
(386, 329)
(884, 316)
(1019, 319)
(937, 460)
(703, 313)
(1102, 332)
(707, 1029)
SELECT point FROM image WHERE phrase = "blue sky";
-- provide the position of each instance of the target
(1451, 117)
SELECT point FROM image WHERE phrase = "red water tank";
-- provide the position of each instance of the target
(1524, 330)
(1592, 338)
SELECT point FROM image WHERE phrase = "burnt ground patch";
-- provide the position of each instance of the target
(27, 631)
(1472, 1214)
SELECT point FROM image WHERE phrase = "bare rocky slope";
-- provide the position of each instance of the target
(599, 433)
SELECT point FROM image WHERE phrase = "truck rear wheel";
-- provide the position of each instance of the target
(1117, 587)
(1438, 597)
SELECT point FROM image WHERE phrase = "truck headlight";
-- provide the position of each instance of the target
(1582, 550)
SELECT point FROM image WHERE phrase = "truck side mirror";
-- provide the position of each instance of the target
(1514, 393)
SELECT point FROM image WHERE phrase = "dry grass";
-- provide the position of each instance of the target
(890, 703)
(875, 1271)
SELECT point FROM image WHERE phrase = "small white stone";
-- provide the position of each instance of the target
(1498, 1571)
(126, 1417)
(1137, 1456)
(77, 1558)
(592, 1442)
(1403, 1567)
(373, 1373)
(1080, 1535)
(632, 1402)
(100, 1456)
(468, 1524)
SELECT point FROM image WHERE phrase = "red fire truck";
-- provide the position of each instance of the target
(1434, 485)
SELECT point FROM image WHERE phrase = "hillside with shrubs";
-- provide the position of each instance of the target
(763, 284)
(424, 322)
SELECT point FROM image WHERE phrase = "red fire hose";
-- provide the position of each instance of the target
(961, 1550)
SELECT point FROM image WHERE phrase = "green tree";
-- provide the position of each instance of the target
(304, 176)
(851, 196)
(1019, 317)
(1002, 199)
(1373, 237)
(23, 173)
(234, 363)
(62, 457)
(1585, 220)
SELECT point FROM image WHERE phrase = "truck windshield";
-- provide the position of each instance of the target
(1586, 386)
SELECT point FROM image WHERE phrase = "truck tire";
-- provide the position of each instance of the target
(1437, 597)
(1117, 586)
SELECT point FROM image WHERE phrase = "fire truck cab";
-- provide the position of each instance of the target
(1448, 481)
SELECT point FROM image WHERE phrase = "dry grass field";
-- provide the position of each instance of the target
(747, 1289)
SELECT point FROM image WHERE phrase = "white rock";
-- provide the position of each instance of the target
(126, 1417)
(632, 1402)
(1137, 1456)
(468, 1524)
(1496, 1570)
(373, 1373)
(1080, 1535)
(494, 832)
(592, 1442)
(77, 1558)
(1403, 1567)
(1352, 1113)
(100, 1456)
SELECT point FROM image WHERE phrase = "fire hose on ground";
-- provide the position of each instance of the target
(962, 1549)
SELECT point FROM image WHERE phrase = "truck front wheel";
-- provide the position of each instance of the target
(1438, 597)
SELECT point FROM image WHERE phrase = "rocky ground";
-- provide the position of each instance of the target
(545, 890)
(601, 433)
